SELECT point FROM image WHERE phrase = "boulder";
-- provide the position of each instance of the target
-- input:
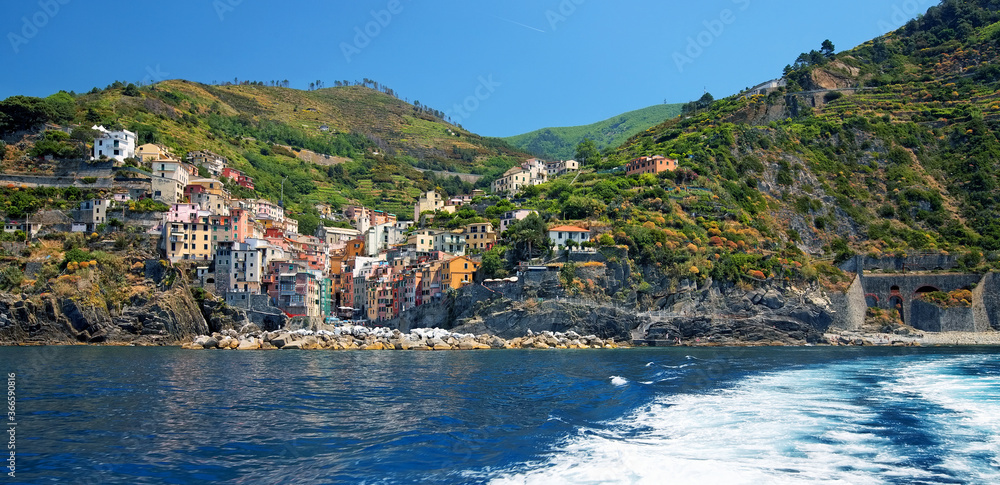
(206, 342)
(773, 300)
(281, 340)
(248, 344)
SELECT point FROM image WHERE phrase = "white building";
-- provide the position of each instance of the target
(171, 170)
(384, 236)
(511, 181)
(117, 145)
(212, 162)
(450, 242)
(93, 213)
(239, 267)
(562, 167)
(336, 235)
(537, 172)
(561, 235)
(167, 190)
(265, 209)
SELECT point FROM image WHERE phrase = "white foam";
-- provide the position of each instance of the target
(797, 426)
(618, 381)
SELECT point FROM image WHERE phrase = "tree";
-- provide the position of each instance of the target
(3, 149)
(23, 113)
(530, 237)
(828, 49)
(308, 222)
(62, 106)
(587, 152)
(493, 264)
(131, 90)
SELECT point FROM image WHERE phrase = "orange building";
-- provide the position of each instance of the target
(458, 272)
(654, 165)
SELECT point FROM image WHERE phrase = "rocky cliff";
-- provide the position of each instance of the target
(712, 313)
(169, 317)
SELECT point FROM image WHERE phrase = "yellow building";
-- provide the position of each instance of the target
(422, 240)
(480, 236)
(458, 272)
(151, 152)
(188, 241)
(209, 186)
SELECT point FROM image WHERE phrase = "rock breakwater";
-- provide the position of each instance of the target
(365, 338)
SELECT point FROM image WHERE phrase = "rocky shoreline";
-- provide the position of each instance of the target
(365, 338)
(927, 339)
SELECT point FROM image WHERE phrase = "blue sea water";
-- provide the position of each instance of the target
(680, 415)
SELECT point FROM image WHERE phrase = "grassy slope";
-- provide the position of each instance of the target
(560, 143)
(247, 123)
(902, 157)
(909, 161)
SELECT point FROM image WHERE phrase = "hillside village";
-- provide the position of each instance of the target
(362, 264)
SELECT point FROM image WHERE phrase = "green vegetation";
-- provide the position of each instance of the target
(561, 143)
(895, 151)
(372, 149)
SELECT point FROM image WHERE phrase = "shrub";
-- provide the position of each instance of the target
(76, 255)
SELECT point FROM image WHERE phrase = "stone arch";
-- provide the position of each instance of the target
(896, 303)
(926, 289)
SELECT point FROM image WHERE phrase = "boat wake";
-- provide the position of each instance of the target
(854, 422)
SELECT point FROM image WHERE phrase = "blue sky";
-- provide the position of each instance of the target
(500, 67)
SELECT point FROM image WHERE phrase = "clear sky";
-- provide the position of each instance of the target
(511, 66)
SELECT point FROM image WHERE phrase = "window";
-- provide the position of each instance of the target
(117, 153)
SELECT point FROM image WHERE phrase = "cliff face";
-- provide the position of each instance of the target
(713, 313)
(168, 318)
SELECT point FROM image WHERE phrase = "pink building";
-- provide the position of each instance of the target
(239, 177)
(242, 224)
(182, 212)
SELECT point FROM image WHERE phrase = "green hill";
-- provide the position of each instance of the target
(560, 143)
(889, 148)
(326, 142)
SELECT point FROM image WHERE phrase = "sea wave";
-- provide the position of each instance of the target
(857, 422)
